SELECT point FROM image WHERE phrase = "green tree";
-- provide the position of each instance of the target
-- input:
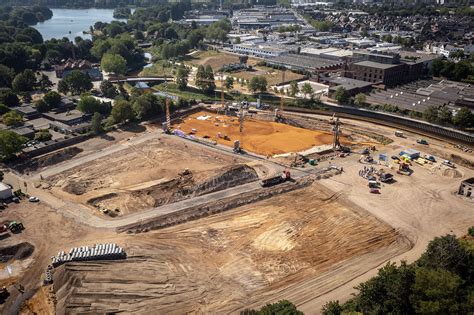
(122, 111)
(53, 99)
(360, 99)
(147, 105)
(229, 83)
(283, 307)
(8, 98)
(431, 114)
(331, 308)
(205, 79)
(307, 89)
(447, 253)
(10, 144)
(41, 106)
(44, 83)
(108, 89)
(43, 135)
(464, 118)
(435, 291)
(436, 67)
(113, 63)
(294, 88)
(24, 81)
(96, 124)
(341, 95)
(63, 87)
(182, 78)
(88, 104)
(444, 116)
(12, 118)
(258, 83)
(4, 109)
(6, 76)
(76, 82)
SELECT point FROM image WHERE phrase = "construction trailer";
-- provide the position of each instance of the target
(5, 191)
(411, 153)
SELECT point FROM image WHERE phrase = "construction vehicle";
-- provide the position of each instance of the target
(386, 177)
(448, 163)
(398, 133)
(15, 227)
(268, 182)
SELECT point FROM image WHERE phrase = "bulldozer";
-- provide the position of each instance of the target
(15, 227)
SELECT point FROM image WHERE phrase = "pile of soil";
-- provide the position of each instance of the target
(16, 252)
(186, 185)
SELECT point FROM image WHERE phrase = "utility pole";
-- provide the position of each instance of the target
(336, 144)
(282, 99)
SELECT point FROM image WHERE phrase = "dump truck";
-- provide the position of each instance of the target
(268, 182)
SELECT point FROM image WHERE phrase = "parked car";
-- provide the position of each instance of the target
(430, 158)
(33, 199)
(16, 200)
(449, 163)
(422, 141)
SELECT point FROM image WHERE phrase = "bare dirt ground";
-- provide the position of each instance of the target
(160, 171)
(218, 264)
(308, 246)
(261, 137)
(217, 59)
(48, 232)
(273, 76)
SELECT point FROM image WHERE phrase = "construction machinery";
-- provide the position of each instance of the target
(15, 227)
(268, 182)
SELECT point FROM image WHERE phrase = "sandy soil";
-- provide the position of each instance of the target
(48, 232)
(273, 76)
(136, 169)
(217, 59)
(261, 137)
(219, 263)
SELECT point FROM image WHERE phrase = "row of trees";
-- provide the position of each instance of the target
(463, 118)
(439, 282)
(457, 71)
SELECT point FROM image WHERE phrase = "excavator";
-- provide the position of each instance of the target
(12, 226)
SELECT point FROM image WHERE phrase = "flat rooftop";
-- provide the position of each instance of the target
(377, 65)
(302, 61)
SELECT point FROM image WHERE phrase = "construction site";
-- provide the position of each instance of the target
(218, 211)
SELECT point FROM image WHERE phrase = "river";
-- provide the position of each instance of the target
(72, 22)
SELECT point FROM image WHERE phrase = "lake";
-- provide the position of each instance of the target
(72, 22)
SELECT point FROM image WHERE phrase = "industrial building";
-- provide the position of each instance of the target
(304, 63)
(264, 17)
(259, 50)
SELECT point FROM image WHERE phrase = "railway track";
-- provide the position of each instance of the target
(303, 113)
